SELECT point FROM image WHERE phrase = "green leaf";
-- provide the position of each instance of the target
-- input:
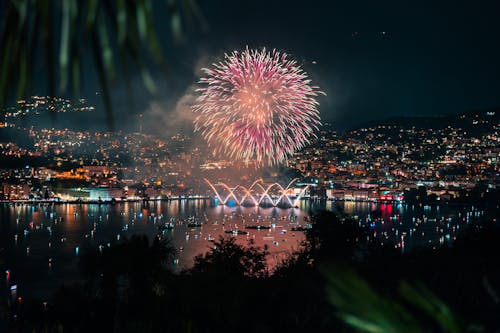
(5, 69)
(92, 6)
(423, 299)
(361, 307)
(148, 81)
(107, 52)
(22, 10)
(175, 22)
(103, 80)
(141, 19)
(121, 20)
(64, 46)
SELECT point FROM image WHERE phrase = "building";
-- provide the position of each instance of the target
(15, 191)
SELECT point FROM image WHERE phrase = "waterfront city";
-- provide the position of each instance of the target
(249, 166)
(440, 160)
(64, 190)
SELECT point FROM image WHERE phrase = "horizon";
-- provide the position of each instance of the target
(55, 120)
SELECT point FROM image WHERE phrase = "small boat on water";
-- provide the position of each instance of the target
(300, 228)
(166, 226)
(258, 227)
(236, 232)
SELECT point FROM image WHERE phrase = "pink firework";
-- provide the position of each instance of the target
(257, 106)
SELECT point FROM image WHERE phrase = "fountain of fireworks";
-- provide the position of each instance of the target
(257, 194)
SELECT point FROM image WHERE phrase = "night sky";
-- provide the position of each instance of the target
(374, 59)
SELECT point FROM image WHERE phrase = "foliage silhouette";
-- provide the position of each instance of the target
(67, 34)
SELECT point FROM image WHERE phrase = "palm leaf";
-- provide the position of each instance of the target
(114, 31)
(424, 300)
(367, 310)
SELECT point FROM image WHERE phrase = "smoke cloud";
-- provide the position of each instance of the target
(169, 118)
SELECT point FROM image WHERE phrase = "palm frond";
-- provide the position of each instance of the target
(366, 310)
(112, 32)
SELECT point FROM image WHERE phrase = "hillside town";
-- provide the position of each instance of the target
(428, 160)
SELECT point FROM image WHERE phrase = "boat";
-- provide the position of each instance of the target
(236, 232)
(166, 226)
(258, 227)
(300, 228)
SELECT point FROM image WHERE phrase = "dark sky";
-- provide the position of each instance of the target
(374, 59)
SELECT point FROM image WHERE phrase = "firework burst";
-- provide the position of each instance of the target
(256, 106)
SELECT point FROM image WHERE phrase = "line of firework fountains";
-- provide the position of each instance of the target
(258, 193)
(257, 106)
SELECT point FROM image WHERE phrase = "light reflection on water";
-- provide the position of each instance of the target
(40, 242)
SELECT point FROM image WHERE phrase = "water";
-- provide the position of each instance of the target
(408, 226)
(40, 244)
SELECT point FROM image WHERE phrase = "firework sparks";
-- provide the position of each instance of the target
(257, 106)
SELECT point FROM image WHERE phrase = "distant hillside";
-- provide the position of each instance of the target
(475, 122)
(20, 138)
